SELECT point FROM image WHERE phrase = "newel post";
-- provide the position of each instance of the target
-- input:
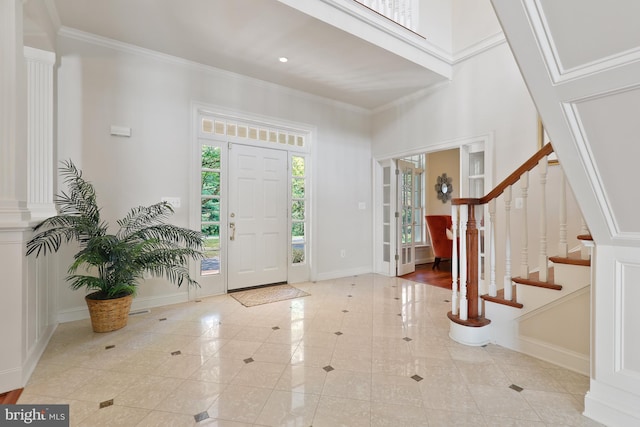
(469, 327)
(472, 263)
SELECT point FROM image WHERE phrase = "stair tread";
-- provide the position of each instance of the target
(533, 280)
(573, 258)
(499, 299)
(474, 323)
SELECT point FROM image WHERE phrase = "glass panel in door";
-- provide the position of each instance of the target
(405, 218)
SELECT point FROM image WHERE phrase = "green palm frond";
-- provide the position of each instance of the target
(82, 195)
(170, 233)
(115, 263)
(89, 282)
(175, 273)
(142, 217)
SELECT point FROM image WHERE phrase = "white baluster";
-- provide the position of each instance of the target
(454, 260)
(508, 286)
(493, 291)
(543, 259)
(585, 252)
(464, 303)
(563, 247)
(388, 7)
(524, 253)
(583, 226)
(409, 15)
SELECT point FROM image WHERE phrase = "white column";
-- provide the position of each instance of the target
(454, 260)
(524, 250)
(40, 132)
(543, 258)
(14, 215)
(563, 247)
(13, 147)
(508, 286)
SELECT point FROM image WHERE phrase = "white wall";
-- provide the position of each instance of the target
(473, 22)
(542, 326)
(100, 86)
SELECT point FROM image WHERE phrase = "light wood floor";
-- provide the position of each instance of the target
(10, 397)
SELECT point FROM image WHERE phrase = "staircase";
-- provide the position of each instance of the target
(543, 312)
(548, 320)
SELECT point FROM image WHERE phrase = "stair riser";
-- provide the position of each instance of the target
(501, 315)
(572, 277)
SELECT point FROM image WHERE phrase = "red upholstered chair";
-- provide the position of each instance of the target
(441, 243)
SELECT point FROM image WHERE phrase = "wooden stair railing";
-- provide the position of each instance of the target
(465, 302)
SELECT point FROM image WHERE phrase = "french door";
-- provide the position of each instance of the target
(405, 221)
(257, 216)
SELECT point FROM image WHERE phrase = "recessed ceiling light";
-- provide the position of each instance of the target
(283, 59)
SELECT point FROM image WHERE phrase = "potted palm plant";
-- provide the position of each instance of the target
(114, 264)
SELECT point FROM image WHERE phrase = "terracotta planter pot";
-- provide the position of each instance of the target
(108, 314)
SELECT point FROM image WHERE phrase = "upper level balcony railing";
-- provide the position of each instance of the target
(403, 12)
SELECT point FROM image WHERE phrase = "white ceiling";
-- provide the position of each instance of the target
(248, 37)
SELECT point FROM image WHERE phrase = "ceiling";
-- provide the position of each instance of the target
(248, 37)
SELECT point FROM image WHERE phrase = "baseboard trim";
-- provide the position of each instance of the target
(36, 353)
(343, 273)
(611, 406)
(10, 379)
(80, 313)
(553, 354)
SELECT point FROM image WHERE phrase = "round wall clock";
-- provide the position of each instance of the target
(444, 188)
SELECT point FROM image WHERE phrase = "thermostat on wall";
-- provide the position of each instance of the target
(120, 130)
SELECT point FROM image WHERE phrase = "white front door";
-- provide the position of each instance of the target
(406, 222)
(257, 216)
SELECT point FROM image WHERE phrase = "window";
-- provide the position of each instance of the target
(210, 209)
(298, 210)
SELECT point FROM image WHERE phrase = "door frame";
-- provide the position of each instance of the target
(239, 127)
(379, 162)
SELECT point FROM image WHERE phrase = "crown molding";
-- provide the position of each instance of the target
(478, 48)
(413, 96)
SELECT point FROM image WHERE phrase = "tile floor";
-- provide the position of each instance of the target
(359, 351)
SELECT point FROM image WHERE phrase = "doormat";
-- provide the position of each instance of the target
(259, 296)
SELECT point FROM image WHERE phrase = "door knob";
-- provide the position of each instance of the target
(232, 226)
